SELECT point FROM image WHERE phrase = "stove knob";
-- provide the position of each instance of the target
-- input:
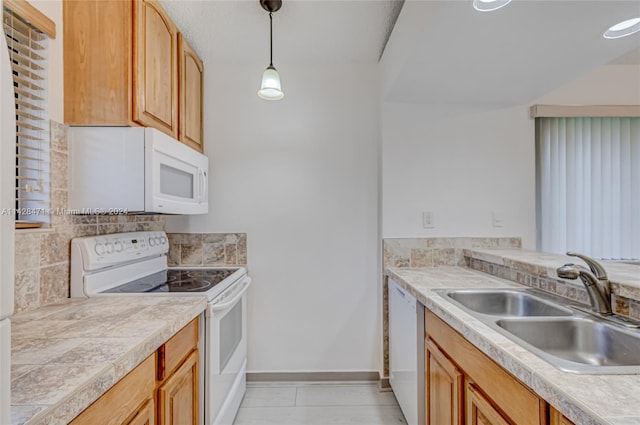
(109, 248)
(99, 248)
(158, 241)
(119, 246)
(152, 241)
(163, 240)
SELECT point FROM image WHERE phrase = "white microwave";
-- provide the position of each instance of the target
(115, 170)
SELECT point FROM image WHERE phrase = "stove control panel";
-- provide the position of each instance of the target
(97, 252)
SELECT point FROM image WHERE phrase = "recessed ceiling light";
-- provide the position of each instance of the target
(623, 29)
(489, 5)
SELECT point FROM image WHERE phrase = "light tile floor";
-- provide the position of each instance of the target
(318, 403)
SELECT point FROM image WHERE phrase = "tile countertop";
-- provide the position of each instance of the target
(65, 356)
(585, 399)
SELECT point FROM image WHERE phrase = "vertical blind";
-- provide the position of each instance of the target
(28, 48)
(588, 186)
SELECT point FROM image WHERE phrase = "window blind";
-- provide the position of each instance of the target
(28, 48)
(588, 186)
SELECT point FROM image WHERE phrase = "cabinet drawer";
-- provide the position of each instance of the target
(124, 399)
(174, 351)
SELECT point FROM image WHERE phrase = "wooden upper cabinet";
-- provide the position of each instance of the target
(191, 75)
(155, 84)
(97, 62)
(124, 66)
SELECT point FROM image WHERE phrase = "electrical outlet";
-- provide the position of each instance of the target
(498, 219)
(427, 220)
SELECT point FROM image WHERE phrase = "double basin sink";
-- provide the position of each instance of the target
(552, 328)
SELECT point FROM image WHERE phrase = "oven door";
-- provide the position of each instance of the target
(226, 354)
(175, 176)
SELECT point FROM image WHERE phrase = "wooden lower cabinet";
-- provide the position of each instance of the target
(128, 402)
(178, 395)
(558, 419)
(161, 390)
(479, 410)
(443, 390)
(464, 386)
(146, 415)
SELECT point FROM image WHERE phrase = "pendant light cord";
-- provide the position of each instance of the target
(270, 39)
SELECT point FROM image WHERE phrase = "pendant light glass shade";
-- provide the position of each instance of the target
(270, 88)
(489, 5)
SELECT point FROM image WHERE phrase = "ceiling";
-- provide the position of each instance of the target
(445, 52)
(304, 31)
(440, 52)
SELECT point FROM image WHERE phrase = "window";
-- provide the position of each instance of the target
(588, 186)
(28, 48)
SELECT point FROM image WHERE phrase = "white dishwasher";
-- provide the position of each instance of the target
(406, 352)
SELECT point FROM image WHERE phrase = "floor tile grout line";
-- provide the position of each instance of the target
(320, 406)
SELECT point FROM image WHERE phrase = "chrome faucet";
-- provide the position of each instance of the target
(595, 281)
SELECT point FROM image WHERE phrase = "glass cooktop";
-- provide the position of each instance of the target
(176, 280)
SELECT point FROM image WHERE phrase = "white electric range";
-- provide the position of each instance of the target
(130, 264)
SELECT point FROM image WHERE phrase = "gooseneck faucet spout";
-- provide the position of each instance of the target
(595, 281)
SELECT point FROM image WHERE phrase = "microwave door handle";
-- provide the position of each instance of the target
(203, 185)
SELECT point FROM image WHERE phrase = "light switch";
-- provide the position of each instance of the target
(427, 220)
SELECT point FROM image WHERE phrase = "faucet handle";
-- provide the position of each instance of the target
(596, 267)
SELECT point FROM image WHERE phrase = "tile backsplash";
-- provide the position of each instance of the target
(432, 252)
(207, 249)
(42, 256)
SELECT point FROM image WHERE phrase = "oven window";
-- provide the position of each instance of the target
(230, 334)
(176, 182)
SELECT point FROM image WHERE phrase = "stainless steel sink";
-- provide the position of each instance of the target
(578, 344)
(553, 328)
(507, 303)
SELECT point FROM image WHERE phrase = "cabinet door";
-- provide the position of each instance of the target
(444, 388)
(124, 399)
(146, 415)
(155, 84)
(480, 411)
(178, 396)
(190, 89)
(558, 419)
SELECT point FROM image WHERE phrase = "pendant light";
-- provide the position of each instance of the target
(270, 88)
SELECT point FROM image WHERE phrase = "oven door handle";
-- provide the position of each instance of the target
(224, 306)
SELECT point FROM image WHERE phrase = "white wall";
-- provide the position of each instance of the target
(607, 85)
(464, 163)
(461, 166)
(299, 176)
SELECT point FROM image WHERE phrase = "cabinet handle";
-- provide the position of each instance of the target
(402, 294)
